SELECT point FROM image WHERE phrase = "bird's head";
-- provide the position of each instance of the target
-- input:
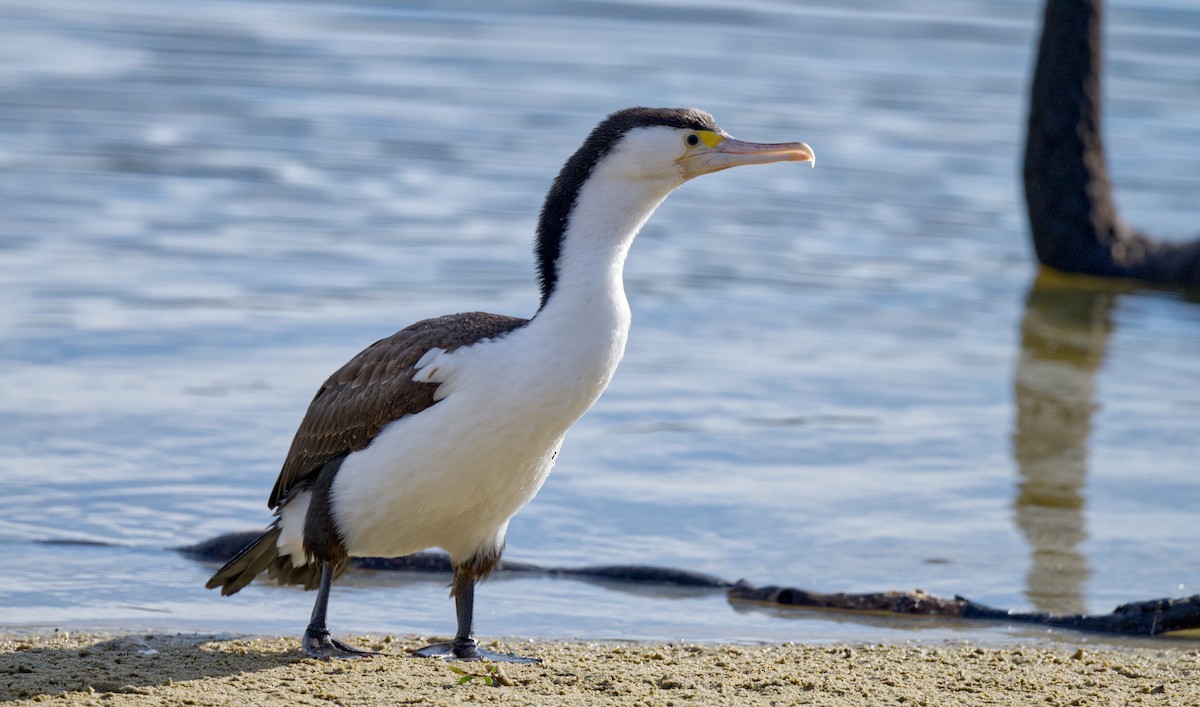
(629, 163)
(677, 144)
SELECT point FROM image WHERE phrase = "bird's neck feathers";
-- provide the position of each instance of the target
(577, 337)
(590, 243)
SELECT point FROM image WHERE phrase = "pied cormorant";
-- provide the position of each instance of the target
(437, 435)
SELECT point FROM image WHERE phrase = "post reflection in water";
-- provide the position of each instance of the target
(1064, 335)
(1075, 227)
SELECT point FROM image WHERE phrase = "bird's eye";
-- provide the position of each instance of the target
(692, 140)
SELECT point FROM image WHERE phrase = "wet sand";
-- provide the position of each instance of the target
(189, 669)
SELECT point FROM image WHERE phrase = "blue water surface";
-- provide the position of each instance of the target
(844, 379)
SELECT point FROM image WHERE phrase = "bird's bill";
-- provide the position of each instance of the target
(731, 152)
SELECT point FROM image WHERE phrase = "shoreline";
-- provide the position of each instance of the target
(196, 669)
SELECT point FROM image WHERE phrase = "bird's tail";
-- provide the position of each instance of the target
(263, 554)
(247, 564)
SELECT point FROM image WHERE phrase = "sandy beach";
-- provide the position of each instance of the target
(190, 669)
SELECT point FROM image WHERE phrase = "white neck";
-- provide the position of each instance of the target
(585, 321)
(589, 273)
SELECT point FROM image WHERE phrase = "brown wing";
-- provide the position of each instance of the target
(374, 388)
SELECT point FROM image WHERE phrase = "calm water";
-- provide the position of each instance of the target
(841, 378)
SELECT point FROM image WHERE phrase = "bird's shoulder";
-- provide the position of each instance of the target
(377, 387)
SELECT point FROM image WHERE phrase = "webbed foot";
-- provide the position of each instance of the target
(460, 649)
(322, 646)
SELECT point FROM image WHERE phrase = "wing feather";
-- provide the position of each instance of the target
(375, 388)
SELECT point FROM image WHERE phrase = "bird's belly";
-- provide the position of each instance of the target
(451, 477)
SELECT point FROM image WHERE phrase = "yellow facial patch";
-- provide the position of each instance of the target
(710, 138)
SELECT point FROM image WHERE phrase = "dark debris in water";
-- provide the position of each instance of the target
(1144, 618)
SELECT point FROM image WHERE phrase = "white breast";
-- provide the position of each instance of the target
(453, 475)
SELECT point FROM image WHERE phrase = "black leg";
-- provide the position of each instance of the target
(464, 608)
(318, 643)
(463, 647)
